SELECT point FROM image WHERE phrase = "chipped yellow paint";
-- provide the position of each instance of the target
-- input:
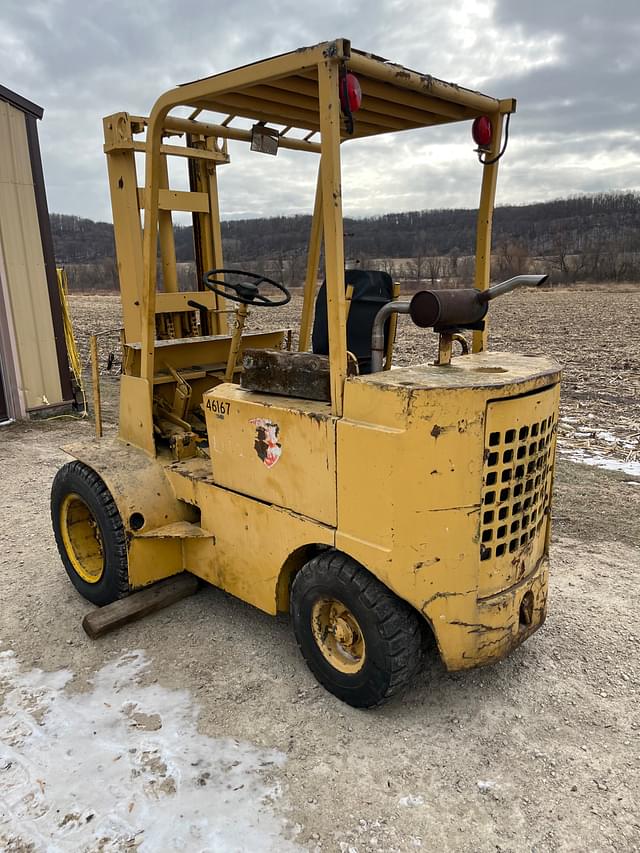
(252, 542)
(410, 492)
(275, 449)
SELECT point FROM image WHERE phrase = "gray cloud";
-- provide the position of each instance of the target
(573, 66)
(592, 86)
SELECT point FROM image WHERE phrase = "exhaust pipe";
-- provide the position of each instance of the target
(444, 310)
(377, 335)
(511, 284)
(448, 309)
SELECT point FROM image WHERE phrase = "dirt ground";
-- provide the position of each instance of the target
(538, 753)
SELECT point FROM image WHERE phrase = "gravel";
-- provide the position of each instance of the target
(538, 753)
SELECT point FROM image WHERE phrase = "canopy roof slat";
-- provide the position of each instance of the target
(373, 117)
(246, 106)
(390, 109)
(391, 98)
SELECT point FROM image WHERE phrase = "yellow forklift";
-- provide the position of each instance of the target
(378, 504)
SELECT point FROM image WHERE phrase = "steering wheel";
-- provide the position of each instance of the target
(246, 292)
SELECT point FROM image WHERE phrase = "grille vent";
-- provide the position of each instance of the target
(517, 487)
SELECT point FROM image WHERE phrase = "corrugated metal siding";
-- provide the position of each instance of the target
(9, 363)
(24, 265)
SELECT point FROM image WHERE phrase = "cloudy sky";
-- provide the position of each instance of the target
(573, 65)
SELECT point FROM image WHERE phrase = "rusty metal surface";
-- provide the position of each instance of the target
(499, 629)
(502, 371)
(294, 374)
(290, 374)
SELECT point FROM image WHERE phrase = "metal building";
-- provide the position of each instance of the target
(34, 370)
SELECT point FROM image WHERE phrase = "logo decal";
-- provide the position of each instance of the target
(266, 444)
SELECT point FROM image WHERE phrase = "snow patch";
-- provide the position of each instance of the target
(123, 767)
(598, 460)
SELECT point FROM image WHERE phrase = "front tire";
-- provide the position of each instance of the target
(361, 642)
(89, 534)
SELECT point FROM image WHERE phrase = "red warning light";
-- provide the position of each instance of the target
(350, 93)
(482, 131)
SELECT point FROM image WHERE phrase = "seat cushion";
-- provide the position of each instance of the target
(371, 290)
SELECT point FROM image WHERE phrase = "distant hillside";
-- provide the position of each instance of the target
(593, 237)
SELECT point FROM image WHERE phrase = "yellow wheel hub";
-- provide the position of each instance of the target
(338, 635)
(81, 538)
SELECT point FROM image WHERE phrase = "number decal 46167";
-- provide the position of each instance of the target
(218, 407)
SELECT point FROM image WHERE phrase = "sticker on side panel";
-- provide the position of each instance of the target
(266, 444)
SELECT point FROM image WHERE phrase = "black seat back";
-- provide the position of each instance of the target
(371, 290)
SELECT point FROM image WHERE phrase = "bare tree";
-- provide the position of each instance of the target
(466, 271)
(434, 269)
(388, 265)
(417, 269)
(511, 258)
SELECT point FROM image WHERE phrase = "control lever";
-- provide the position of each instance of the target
(204, 315)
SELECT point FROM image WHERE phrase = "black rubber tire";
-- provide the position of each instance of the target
(392, 630)
(77, 478)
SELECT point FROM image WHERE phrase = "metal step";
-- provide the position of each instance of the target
(176, 530)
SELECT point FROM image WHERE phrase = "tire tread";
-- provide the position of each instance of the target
(398, 624)
(117, 558)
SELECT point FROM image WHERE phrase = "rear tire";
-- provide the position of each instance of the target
(361, 642)
(89, 534)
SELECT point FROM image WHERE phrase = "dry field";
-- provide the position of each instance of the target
(200, 729)
(592, 333)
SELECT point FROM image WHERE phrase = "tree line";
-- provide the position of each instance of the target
(583, 238)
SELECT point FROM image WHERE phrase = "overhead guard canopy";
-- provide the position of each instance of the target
(284, 90)
(297, 94)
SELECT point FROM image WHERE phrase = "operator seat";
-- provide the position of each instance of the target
(371, 290)
(306, 375)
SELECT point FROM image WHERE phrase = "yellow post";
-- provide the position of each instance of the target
(95, 375)
(220, 318)
(153, 176)
(167, 242)
(333, 228)
(168, 249)
(127, 229)
(313, 258)
(485, 223)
